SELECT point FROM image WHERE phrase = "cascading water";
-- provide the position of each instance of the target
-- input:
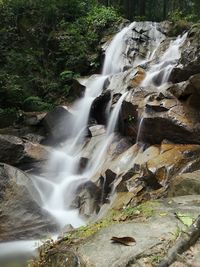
(165, 64)
(56, 188)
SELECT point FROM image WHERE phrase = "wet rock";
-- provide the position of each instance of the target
(88, 199)
(20, 216)
(97, 130)
(128, 120)
(185, 184)
(138, 77)
(55, 123)
(77, 89)
(98, 108)
(82, 164)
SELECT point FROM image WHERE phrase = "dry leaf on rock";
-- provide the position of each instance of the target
(126, 240)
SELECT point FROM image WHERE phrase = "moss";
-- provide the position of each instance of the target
(89, 230)
(146, 210)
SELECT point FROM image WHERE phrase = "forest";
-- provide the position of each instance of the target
(45, 44)
(157, 10)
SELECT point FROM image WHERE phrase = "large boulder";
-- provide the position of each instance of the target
(163, 116)
(185, 184)
(98, 108)
(190, 59)
(16, 151)
(21, 217)
(56, 123)
(88, 199)
(187, 92)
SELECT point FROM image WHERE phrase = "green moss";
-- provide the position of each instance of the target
(146, 210)
(89, 230)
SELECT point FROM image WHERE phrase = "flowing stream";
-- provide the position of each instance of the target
(57, 189)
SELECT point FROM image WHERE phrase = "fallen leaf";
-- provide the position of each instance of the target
(185, 218)
(126, 240)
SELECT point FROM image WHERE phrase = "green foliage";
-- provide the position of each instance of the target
(7, 116)
(34, 103)
(45, 44)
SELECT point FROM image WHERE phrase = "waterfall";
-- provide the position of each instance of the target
(162, 70)
(57, 187)
(114, 60)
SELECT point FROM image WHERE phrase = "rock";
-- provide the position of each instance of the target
(8, 145)
(98, 108)
(148, 173)
(159, 218)
(179, 75)
(190, 59)
(138, 77)
(77, 89)
(21, 218)
(97, 130)
(55, 123)
(62, 257)
(88, 199)
(32, 118)
(128, 119)
(24, 151)
(83, 162)
(187, 92)
(185, 184)
(164, 117)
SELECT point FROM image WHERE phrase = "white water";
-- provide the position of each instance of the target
(57, 188)
(114, 60)
(166, 63)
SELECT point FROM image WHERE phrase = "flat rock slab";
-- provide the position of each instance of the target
(99, 251)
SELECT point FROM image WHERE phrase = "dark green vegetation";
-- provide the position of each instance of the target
(44, 44)
(157, 10)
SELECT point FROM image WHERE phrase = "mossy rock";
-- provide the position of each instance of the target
(179, 27)
(35, 103)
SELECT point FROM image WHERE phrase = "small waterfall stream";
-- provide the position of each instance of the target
(56, 189)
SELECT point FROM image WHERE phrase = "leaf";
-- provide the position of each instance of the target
(185, 218)
(126, 240)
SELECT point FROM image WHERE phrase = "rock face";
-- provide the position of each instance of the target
(21, 217)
